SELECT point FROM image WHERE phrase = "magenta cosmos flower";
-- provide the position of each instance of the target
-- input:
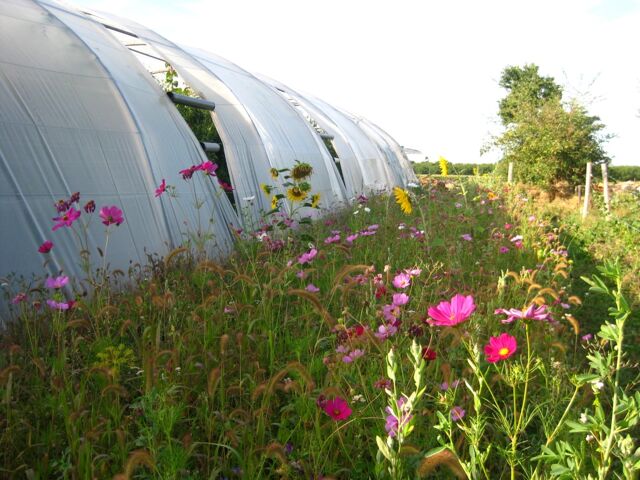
(337, 408)
(448, 314)
(110, 215)
(161, 188)
(533, 312)
(308, 256)
(500, 348)
(457, 413)
(57, 282)
(46, 247)
(66, 219)
(393, 423)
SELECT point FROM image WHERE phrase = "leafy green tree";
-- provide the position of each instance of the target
(548, 140)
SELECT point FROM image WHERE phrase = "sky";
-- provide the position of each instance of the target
(426, 72)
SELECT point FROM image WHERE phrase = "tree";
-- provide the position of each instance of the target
(548, 140)
(525, 87)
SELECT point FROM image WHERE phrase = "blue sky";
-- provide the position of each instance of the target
(427, 72)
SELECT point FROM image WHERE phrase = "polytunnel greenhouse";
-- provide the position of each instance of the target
(81, 111)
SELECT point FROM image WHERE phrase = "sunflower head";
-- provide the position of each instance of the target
(301, 171)
(315, 200)
(274, 202)
(403, 200)
(295, 194)
(274, 173)
(267, 189)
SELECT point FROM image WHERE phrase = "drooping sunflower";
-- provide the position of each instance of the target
(301, 171)
(274, 202)
(402, 199)
(315, 200)
(274, 173)
(266, 189)
(296, 195)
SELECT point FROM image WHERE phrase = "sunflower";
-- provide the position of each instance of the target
(296, 195)
(266, 189)
(402, 199)
(274, 202)
(274, 173)
(301, 171)
(315, 200)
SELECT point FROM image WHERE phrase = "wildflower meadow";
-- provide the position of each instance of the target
(452, 329)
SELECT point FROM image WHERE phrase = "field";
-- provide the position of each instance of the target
(462, 329)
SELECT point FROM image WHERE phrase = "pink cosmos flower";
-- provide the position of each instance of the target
(400, 299)
(457, 413)
(386, 331)
(393, 423)
(402, 280)
(187, 173)
(466, 237)
(351, 238)
(111, 215)
(57, 305)
(207, 167)
(301, 274)
(504, 249)
(507, 226)
(448, 314)
(413, 272)
(533, 312)
(391, 312)
(225, 186)
(19, 298)
(353, 355)
(518, 244)
(46, 247)
(161, 188)
(332, 239)
(57, 282)
(308, 256)
(90, 206)
(500, 348)
(517, 238)
(337, 408)
(66, 219)
(312, 288)
(585, 338)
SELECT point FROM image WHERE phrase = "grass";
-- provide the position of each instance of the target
(202, 369)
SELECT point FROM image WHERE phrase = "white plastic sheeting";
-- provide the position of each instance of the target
(258, 128)
(78, 113)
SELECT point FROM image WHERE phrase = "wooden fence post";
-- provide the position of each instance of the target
(510, 174)
(587, 191)
(605, 186)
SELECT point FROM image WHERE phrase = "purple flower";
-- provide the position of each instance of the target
(457, 413)
(351, 238)
(312, 288)
(19, 298)
(355, 354)
(57, 282)
(400, 299)
(66, 219)
(386, 331)
(308, 256)
(504, 249)
(533, 312)
(393, 423)
(391, 312)
(57, 305)
(466, 237)
(333, 239)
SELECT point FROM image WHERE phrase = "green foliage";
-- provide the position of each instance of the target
(433, 168)
(547, 141)
(525, 86)
(227, 360)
